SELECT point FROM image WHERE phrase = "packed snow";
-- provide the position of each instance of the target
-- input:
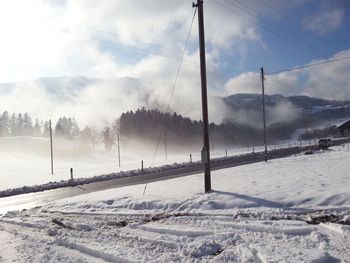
(25, 161)
(294, 209)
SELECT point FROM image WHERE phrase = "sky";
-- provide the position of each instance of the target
(144, 40)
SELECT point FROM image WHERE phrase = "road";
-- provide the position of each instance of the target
(30, 200)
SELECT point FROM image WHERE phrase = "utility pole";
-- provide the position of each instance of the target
(263, 104)
(118, 150)
(206, 149)
(51, 147)
(165, 146)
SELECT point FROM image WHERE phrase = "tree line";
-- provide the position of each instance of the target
(22, 124)
(148, 126)
(151, 124)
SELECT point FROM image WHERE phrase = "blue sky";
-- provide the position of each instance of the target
(289, 39)
(143, 40)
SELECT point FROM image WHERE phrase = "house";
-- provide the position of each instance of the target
(344, 129)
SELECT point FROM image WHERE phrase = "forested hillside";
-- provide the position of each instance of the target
(149, 125)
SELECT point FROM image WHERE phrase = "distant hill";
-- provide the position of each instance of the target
(254, 101)
(298, 109)
(103, 100)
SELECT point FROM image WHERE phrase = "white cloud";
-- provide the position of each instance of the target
(244, 83)
(324, 21)
(43, 38)
(46, 38)
(329, 81)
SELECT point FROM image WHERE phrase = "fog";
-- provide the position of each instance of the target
(97, 102)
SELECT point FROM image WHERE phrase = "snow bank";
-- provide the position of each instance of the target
(305, 181)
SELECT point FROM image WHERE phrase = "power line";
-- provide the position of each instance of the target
(295, 22)
(116, 35)
(123, 37)
(252, 16)
(282, 30)
(308, 66)
(136, 50)
(172, 91)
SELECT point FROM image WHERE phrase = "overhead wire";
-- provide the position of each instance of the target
(251, 18)
(294, 21)
(116, 35)
(282, 28)
(137, 50)
(308, 65)
(172, 92)
(128, 39)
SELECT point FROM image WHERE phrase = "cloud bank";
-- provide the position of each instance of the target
(328, 81)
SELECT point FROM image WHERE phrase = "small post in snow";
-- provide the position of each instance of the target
(165, 146)
(118, 150)
(71, 174)
(190, 157)
(142, 165)
(51, 150)
(226, 153)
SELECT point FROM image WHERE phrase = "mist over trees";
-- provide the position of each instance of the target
(149, 125)
(329, 131)
(19, 125)
(23, 125)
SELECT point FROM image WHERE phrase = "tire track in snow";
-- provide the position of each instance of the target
(338, 236)
(37, 234)
(189, 238)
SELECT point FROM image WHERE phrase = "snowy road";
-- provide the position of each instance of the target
(26, 201)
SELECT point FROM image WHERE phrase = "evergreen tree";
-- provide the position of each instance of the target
(4, 124)
(37, 128)
(20, 124)
(46, 129)
(59, 129)
(27, 124)
(108, 139)
(88, 136)
(13, 125)
(67, 127)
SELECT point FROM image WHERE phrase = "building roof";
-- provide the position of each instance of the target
(345, 125)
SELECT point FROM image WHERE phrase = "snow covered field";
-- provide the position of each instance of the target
(25, 161)
(255, 213)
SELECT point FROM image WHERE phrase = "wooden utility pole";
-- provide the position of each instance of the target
(165, 146)
(206, 149)
(51, 150)
(263, 104)
(118, 150)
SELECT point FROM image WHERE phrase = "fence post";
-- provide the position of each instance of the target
(71, 173)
